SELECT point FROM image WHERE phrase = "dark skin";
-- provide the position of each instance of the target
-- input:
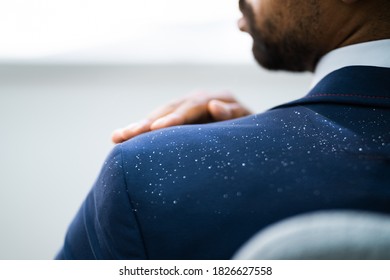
(284, 34)
(287, 35)
(294, 34)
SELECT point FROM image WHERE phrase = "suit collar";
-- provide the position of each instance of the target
(353, 85)
(374, 53)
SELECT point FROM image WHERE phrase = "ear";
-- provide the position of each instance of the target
(349, 1)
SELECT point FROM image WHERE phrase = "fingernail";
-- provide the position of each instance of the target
(116, 136)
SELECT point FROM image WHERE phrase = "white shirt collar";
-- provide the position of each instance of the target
(375, 53)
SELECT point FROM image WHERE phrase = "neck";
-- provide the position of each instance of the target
(366, 33)
(357, 23)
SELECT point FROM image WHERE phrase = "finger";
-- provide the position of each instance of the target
(166, 109)
(132, 130)
(188, 109)
(192, 111)
(167, 121)
(239, 110)
(116, 136)
(221, 111)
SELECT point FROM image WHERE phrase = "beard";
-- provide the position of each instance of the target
(276, 49)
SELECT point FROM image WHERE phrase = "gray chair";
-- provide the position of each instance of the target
(325, 235)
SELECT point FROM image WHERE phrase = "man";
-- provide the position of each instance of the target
(201, 191)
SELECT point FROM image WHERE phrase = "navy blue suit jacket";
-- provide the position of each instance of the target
(201, 191)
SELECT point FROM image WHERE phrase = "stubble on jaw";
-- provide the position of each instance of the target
(290, 47)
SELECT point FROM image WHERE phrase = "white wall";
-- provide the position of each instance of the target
(80, 31)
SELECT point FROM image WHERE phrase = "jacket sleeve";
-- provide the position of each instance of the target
(105, 227)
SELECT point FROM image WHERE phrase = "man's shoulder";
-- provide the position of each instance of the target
(271, 122)
(187, 135)
(204, 150)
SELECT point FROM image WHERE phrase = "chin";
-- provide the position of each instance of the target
(266, 59)
(273, 58)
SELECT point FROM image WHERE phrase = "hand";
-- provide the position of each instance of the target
(198, 107)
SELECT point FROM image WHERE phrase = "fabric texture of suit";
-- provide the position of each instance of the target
(201, 191)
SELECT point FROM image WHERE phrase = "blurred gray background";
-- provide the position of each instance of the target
(56, 121)
(72, 71)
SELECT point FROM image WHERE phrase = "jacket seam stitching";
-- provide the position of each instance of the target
(132, 206)
(349, 95)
